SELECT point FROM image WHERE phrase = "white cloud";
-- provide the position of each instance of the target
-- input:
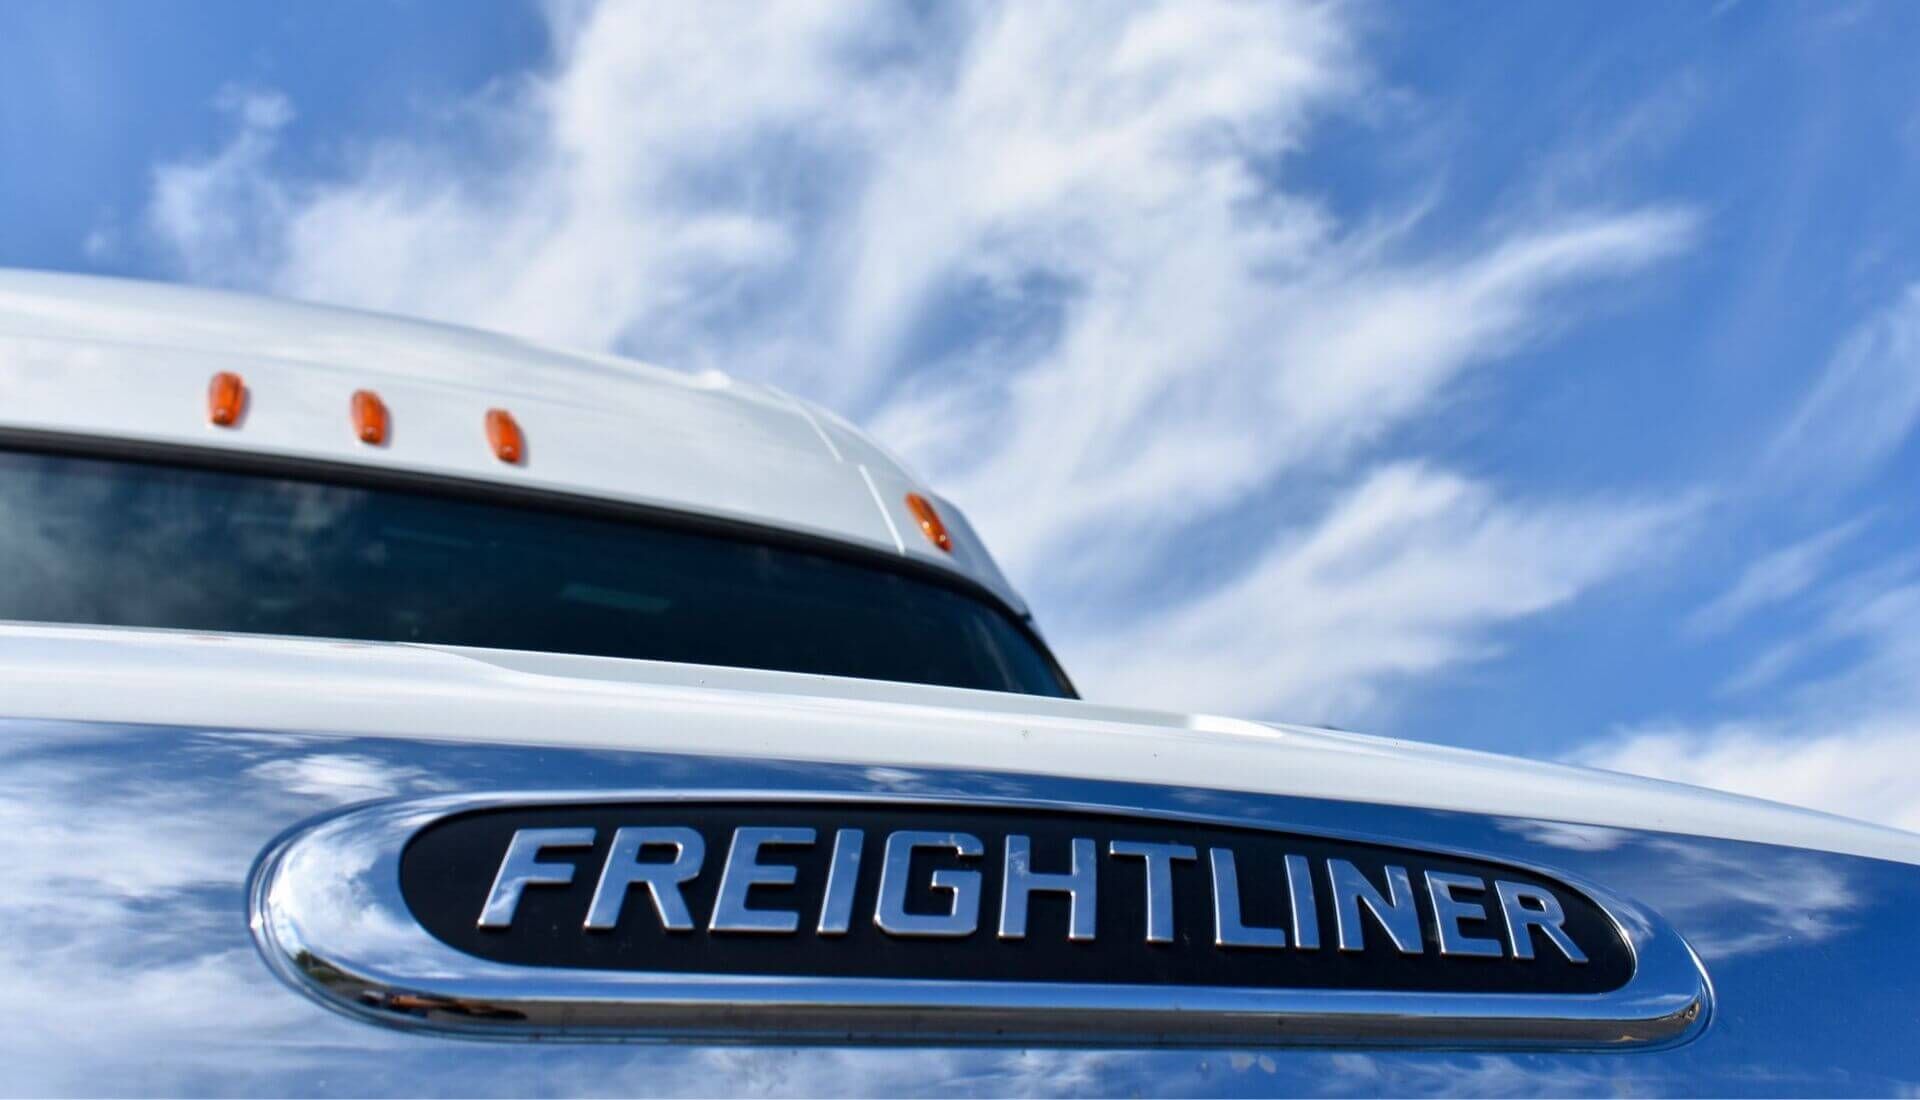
(1859, 768)
(1177, 419)
(212, 211)
(1403, 576)
(1846, 738)
(1060, 261)
(1866, 401)
(1773, 577)
(342, 776)
(1847, 742)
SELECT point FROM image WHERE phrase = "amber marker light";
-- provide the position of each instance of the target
(930, 524)
(369, 417)
(226, 399)
(504, 435)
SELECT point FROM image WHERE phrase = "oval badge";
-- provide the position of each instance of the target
(813, 918)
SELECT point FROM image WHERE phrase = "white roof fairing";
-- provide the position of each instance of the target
(128, 360)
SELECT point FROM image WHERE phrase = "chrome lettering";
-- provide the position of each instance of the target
(1400, 917)
(743, 871)
(843, 875)
(890, 912)
(521, 868)
(1545, 914)
(1228, 929)
(663, 880)
(1306, 920)
(1449, 911)
(666, 858)
(1021, 882)
(1159, 859)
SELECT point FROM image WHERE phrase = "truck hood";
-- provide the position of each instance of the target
(419, 692)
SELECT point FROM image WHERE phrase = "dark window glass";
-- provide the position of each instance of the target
(87, 540)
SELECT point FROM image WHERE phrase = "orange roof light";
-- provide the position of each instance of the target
(930, 524)
(509, 445)
(226, 399)
(369, 417)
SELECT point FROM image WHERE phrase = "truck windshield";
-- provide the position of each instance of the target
(136, 543)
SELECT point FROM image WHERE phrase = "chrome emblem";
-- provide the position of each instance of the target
(814, 918)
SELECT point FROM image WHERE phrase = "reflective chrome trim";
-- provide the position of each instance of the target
(328, 914)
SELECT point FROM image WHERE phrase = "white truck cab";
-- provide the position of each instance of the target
(392, 708)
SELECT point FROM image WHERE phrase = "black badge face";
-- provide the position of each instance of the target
(836, 889)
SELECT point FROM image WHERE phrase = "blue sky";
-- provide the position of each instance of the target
(1540, 378)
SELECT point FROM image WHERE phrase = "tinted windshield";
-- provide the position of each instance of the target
(86, 540)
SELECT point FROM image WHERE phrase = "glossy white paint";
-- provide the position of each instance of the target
(442, 693)
(132, 360)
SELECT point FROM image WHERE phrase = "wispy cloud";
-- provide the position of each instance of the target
(1061, 262)
(1866, 401)
(1771, 578)
(1846, 741)
(1841, 731)
(1405, 575)
(212, 211)
(1855, 768)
